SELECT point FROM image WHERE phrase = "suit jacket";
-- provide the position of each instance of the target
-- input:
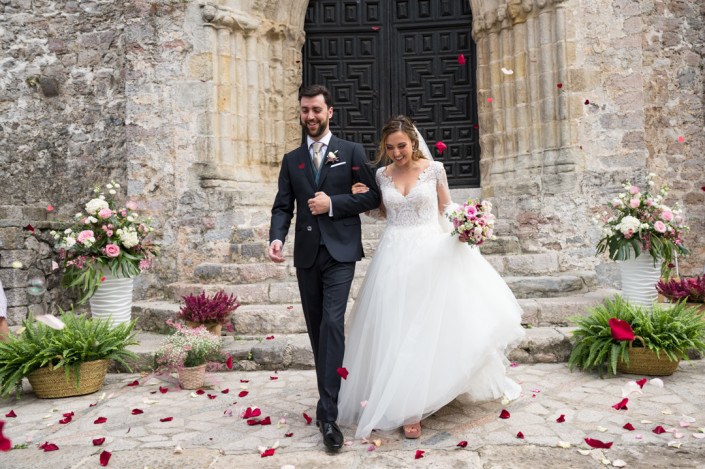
(341, 232)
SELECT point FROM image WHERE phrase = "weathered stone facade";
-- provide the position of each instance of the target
(191, 104)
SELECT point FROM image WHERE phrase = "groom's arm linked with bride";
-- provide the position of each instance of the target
(315, 180)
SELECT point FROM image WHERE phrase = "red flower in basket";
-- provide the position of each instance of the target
(621, 330)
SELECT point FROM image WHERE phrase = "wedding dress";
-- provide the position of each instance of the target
(431, 321)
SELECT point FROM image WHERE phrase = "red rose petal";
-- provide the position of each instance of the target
(98, 441)
(419, 454)
(244, 380)
(266, 421)
(504, 414)
(200, 392)
(702, 188)
(288, 435)
(561, 419)
(105, 458)
(100, 420)
(225, 391)
(65, 420)
(642, 382)
(628, 426)
(270, 337)
(11, 414)
(598, 444)
(93, 405)
(50, 208)
(212, 396)
(46, 446)
(289, 307)
(102, 279)
(489, 100)
(252, 422)
(681, 139)
(68, 414)
(267, 452)
(5, 443)
(243, 393)
(462, 444)
(135, 382)
(441, 147)
(621, 405)
(302, 166)
(229, 362)
(621, 330)
(658, 430)
(477, 126)
(163, 390)
(343, 373)
(29, 228)
(308, 419)
(461, 59)
(559, 85)
(587, 101)
(520, 435)
(137, 411)
(166, 419)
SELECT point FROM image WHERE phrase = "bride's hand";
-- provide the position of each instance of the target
(359, 188)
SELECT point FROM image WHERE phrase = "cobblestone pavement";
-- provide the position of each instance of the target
(208, 429)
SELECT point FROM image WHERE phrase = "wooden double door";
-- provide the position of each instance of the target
(385, 57)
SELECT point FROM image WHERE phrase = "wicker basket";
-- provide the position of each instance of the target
(214, 328)
(644, 361)
(192, 377)
(52, 383)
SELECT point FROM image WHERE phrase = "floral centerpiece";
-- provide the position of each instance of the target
(210, 310)
(641, 222)
(472, 221)
(187, 351)
(106, 237)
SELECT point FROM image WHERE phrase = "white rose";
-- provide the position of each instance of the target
(116, 185)
(129, 239)
(130, 218)
(67, 231)
(112, 192)
(108, 186)
(93, 219)
(629, 224)
(96, 205)
(69, 242)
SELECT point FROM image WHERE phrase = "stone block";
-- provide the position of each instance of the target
(284, 292)
(14, 278)
(16, 297)
(16, 314)
(11, 238)
(9, 256)
(527, 264)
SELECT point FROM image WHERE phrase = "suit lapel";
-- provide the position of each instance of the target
(305, 164)
(325, 167)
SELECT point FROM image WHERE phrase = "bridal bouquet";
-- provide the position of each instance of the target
(472, 221)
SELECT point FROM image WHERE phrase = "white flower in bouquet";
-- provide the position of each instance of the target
(629, 225)
(96, 205)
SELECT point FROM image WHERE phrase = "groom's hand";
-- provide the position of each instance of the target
(320, 204)
(275, 251)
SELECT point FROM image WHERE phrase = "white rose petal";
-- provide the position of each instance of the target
(601, 429)
(584, 452)
(178, 449)
(606, 461)
(667, 412)
(699, 436)
(618, 463)
(563, 444)
(507, 71)
(674, 444)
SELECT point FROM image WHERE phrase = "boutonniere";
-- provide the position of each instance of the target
(332, 157)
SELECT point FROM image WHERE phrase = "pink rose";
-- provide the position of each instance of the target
(634, 203)
(105, 213)
(111, 250)
(85, 235)
(667, 215)
(649, 202)
(634, 190)
(660, 227)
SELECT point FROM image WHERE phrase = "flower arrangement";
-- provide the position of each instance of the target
(187, 347)
(208, 309)
(642, 222)
(689, 289)
(106, 237)
(472, 222)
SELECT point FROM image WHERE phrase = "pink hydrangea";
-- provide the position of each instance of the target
(660, 227)
(111, 250)
(105, 213)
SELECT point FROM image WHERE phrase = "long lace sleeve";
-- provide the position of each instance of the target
(442, 188)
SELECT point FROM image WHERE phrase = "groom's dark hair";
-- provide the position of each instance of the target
(311, 91)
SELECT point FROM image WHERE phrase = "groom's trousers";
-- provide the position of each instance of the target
(324, 289)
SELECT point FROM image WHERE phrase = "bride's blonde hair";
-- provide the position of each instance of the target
(400, 123)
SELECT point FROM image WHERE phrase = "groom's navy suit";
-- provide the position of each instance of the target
(325, 249)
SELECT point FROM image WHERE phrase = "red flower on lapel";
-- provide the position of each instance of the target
(302, 166)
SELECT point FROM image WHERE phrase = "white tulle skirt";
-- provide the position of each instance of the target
(432, 321)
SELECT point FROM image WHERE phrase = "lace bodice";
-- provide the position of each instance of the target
(420, 206)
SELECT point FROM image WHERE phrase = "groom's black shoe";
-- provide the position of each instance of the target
(332, 436)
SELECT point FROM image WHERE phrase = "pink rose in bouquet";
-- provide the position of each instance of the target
(473, 222)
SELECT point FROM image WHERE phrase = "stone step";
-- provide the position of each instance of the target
(503, 244)
(541, 345)
(550, 286)
(265, 319)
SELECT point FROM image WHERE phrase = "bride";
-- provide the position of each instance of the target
(432, 319)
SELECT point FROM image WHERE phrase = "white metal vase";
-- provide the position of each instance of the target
(639, 279)
(113, 299)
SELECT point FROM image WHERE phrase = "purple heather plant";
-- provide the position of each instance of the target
(692, 289)
(206, 309)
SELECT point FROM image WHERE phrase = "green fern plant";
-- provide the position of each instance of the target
(672, 330)
(82, 340)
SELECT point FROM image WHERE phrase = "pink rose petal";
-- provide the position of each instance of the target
(5, 443)
(461, 59)
(441, 147)
(267, 452)
(681, 139)
(641, 382)
(419, 454)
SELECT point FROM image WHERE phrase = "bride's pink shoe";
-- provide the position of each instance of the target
(412, 431)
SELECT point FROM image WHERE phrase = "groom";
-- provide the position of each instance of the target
(318, 177)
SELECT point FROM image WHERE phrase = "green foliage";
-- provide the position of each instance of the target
(672, 330)
(82, 340)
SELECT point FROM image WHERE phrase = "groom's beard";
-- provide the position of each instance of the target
(322, 127)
